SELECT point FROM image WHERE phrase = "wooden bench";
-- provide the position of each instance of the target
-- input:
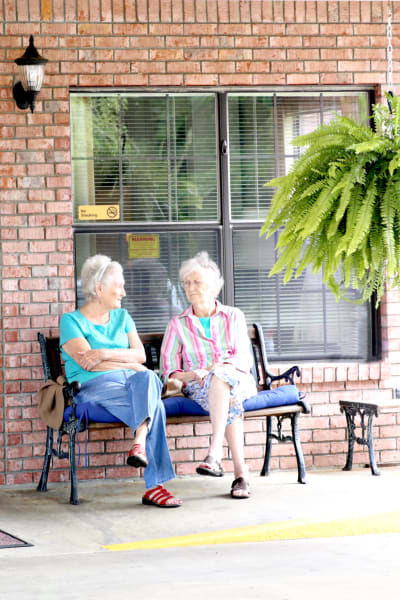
(52, 367)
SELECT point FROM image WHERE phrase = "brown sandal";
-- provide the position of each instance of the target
(240, 489)
(210, 466)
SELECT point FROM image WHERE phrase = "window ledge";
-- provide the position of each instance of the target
(342, 371)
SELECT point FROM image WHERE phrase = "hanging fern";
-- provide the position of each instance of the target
(338, 208)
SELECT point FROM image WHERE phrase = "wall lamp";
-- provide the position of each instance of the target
(31, 66)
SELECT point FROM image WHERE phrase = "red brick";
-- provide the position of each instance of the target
(185, 468)
(302, 79)
(236, 79)
(325, 410)
(317, 448)
(183, 429)
(19, 478)
(192, 442)
(333, 460)
(324, 435)
(336, 78)
(255, 438)
(253, 425)
(106, 434)
(106, 459)
(352, 372)
(320, 66)
(317, 374)
(351, 65)
(220, 66)
(201, 79)
(120, 472)
(339, 30)
(18, 426)
(58, 476)
(307, 29)
(386, 419)
(339, 447)
(390, 457)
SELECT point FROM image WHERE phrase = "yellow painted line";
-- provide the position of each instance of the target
(283, 530)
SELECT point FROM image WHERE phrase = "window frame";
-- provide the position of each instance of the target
(226, 225)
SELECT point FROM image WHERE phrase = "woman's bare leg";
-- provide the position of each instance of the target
(218, 405)
(235, 438)
(141, 434)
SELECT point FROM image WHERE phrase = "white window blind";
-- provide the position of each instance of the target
(302, 318)
(153, 155)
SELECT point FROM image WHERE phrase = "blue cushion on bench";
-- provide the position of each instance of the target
(281, 396)
(179, 405)
(94, 411)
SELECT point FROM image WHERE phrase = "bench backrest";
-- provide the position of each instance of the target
(52, 365)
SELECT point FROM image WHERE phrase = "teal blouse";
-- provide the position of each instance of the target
(113, 334)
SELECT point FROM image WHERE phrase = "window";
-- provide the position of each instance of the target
(158, 177)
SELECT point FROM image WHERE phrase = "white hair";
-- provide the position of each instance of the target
(203, 263)
(97, 269)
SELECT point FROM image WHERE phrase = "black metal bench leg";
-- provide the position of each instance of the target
(301, 468)
(74, 498)
(42, 485)
(268, 444)
(351, 438)
(372, 461)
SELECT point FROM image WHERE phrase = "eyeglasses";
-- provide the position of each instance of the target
(187, 283)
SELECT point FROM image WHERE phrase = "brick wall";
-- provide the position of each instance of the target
(159, 43)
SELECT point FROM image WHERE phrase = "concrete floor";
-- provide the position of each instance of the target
(68, 558)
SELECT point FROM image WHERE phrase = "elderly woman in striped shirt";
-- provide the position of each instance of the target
(207, 348)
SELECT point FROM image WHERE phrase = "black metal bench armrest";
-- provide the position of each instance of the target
(288, 375)
(70, 390)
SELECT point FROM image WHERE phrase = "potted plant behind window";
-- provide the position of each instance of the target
(338, 209)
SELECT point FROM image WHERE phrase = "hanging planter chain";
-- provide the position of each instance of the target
(389, 34)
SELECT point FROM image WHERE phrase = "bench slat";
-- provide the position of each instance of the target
(274, 411)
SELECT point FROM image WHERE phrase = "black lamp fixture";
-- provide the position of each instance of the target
(31, 66)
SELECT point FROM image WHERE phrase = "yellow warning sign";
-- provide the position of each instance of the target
(146, 245)
(106, 212)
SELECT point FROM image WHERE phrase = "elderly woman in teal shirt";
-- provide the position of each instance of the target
(103, 351)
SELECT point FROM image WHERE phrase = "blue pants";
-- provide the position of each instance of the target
(133, 397)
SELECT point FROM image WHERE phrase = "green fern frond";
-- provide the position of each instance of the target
(351, 178)
(312, 189)
(394, 163)
(322, 206)
(363, 219)
(374, 145)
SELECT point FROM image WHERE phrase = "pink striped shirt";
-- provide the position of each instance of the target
(186, 347)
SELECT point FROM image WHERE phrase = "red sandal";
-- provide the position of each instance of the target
(137, 457)
(159, 496)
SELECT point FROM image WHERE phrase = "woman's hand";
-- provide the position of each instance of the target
(199, 375)
(90, 358)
